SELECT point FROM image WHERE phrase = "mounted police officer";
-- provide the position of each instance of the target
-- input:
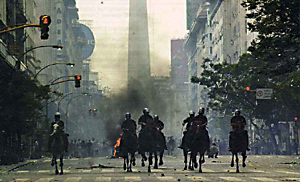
(238, 123)
(143, 120)
(57, 124)
(186, 139)
(160, 126)
(129, 127)
(200, 122)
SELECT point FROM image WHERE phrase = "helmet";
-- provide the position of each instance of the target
(201, 111)
(191, 113)
(156, 117)
(57, 116)
(237, 112)
(146, 110)
(127, 115)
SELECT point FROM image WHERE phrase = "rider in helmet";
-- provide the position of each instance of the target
(59, 125)
(143, 120)
(200, 120)
(238, 122)
(188, 123)
(129, 127)
(160, 126)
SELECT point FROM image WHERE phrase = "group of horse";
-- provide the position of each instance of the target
(198, 143)
(149, 143)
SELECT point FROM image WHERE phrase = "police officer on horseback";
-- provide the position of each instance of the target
(129, 128)
(238, 123)
(200, 122)
(59, 125)
(160, 126)
(187, 133)
(143, 120)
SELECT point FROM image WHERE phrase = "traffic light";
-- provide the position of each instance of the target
(77, 80)
(247, 88)
(45, 21)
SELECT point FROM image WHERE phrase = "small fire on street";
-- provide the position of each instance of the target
(117, 145)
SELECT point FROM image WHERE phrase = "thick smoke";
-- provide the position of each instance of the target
(141, 94)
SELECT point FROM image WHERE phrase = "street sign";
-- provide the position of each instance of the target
(264, 93)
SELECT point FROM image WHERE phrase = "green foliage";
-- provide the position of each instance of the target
(20, 102)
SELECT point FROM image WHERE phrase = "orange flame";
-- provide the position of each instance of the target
(118, 142)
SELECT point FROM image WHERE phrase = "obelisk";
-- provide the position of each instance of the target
(138, 46)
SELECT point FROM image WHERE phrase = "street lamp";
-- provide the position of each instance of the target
(68, 64)
(67, 107)
(18, 64)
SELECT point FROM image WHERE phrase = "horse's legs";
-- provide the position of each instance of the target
(61, 164)
(161, 155)
(124, 164)
(127, 160)
(150, 158)
(194, 158)
(191, 165)
(155, 160)
(202, 158)
(133, 159)
(150, 162)
(244, 158)
(144, 158)
(185, 153)
(237, 163)
(55, 163)
(232, 158)
(200, 162)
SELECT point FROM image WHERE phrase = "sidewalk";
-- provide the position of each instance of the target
(7, 168)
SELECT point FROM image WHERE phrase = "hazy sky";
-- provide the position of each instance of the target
(167, 20)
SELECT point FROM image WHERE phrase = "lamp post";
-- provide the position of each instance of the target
(18, 64)
(58, 105)
(68, 64)
(67, 107)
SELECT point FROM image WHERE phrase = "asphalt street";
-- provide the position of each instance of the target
(259, 168)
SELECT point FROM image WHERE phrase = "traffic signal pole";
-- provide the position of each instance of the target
(58, 82)
(19, 27)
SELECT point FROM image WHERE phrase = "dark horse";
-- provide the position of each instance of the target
(58, 145)
(238, 139)
(159, 148)
(128, 146)
(147, 143)
(200, 144)
(186, 147)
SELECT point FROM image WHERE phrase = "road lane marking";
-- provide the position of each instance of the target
(133, 179)
(44, 171)
(166, 178)
(47, 160)
(85, 171)
(45, 180)
(74, 159)
(107, 170)
(157, 170)
(257, 171)
(66, 171)
(198, 179)
(73, 179)
(231, 179)
(22, 171)
(288, 172)
(135, 170)
(21, 180)
(262, 179)
(103, 179)
(87, 158)
(291, 179)
(207, 170)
